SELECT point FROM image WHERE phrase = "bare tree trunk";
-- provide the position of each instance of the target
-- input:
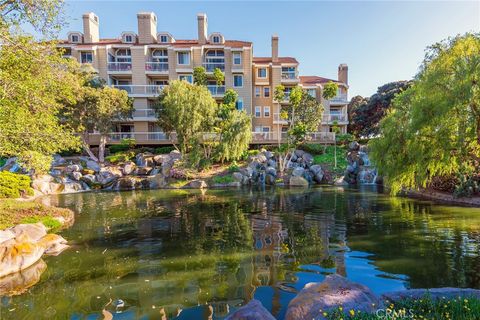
(86, 147)
(101, 148)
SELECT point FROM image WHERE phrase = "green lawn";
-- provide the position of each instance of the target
(328, 158)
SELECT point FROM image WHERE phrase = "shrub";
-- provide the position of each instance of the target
(120, 157)
(2, 162)
(14, 185)
(248, 153)
(344, 138)
(48, 221)
(204, 164)
(125, 144)
(313, 148)
(164, 150)
(223, 179)
(233, 167)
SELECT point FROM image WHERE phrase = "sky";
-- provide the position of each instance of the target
(380, 41)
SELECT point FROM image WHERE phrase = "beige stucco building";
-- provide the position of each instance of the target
(143, 63)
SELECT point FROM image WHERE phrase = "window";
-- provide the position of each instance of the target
(183, 58)
(128, 38)
(163, 38)
(237, 58)
(75, 38)
(262, 73)
(86, 57)
(312, 93)
(216, 39)
(257, 92)
(239, 104)
(238, 80)
(258, 112)
(266, 92)
(266, 112)
(186, 77)
(265, 129)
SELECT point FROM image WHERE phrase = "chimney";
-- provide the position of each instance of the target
(202, 28)
(275, 48)
(343, 73)
(147, 27)
(90, 28)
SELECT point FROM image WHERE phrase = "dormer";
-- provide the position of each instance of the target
(165, 37)
(216, 38)
(129, 37)
(75, 37)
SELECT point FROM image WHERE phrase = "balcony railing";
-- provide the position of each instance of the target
(139, 90)
(211, 66)
(326, 137)
(290, 75)
(156, 66)
(119, 66)
(334, 117)
(216, 90)
(144, 113)
(277, 117)
(340, 98)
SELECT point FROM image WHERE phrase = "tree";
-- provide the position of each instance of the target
(234, 129)
(219, 76)
(356, 104)
(369, 112)
(330, 90)
(187, 109)
(200, 76)
(433, 128)
(97, 109)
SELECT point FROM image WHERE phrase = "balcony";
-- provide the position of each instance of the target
(211, 66)
(152, 66)
(277, 119)
(144, 114)
(119, 66)
(329, 118)
(216, 91)
(275, 137)
(290, 75)
(141, 90)
(340, 98)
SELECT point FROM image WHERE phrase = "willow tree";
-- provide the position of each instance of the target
(434, 126)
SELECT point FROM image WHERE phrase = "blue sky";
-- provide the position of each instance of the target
(380, 41)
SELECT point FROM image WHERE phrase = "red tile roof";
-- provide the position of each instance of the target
(313, 80)
(269, 60)
(177, 43)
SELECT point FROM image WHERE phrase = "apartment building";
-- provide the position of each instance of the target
(143, 63)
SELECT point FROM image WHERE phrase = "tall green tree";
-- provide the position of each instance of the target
(434, 126)
(329, 90)
(97, 109)
(200, 76)
(186, 109)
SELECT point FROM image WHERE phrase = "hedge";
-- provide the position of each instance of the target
(14, 185)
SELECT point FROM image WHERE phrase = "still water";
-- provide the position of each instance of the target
(201, 255)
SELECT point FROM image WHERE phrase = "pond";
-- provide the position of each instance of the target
(201, 255)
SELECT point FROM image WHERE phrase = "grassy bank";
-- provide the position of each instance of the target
(327, 159)
(13, 212)
(424, 308)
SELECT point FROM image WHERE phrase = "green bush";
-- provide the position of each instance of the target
(2, 162)
(48, 221)
(125, 144)
(223, 179)
(204, 164)
(120, 157)
(344, 138)
(233, 167)
(313, 148)
(14, 185)
(164, 150)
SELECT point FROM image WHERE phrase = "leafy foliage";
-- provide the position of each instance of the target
(200, 76)
(219, 76)
(14, 185)
(366, 113)
(329, 90)
(434, 126)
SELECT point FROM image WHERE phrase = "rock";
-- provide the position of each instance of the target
(316, 169)
(58, 160)
(125, 183)
(340, 182)
(353, 146)
(72, 187)
(270, 180)
(196, 184)
(161, 159)
(141, 159)
(307, 158)
(18, 255)
(268, 154)
(56, 172)
(254, 310)
(154, 171)
(434, 293)
(363, 148)
(76, 176)
(334, 291)
(92, 165)
(74, 168)
(33, 231)
(142, 171)
(237, 176)
(350, 168)
(6, 235)
(114, 170)
(271, 171)
(175, 155)
(19, 282)
(296, 181)
(299, 153)
(53, 244)
(45, 184)
(155, 182)
(298, 171)
(89, 179)
(261, 158)
(87, 171)
(128, 167)
(293, 157)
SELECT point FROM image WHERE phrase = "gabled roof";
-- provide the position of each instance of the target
(269, 60)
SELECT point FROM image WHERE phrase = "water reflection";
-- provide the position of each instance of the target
(194, 255)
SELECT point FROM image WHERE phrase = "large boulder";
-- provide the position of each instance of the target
(58, 160)
(143, 171)
(333, 292)
(254, 310)
(18, 254)
(270, 179)
(93, 165)
(156, 181)
(353, 146)
(89, 179)
(307, 158)
(74, 168)
(196, 184)
(296, 181)
(237, 176)
(76, 175)
(317, 173)
(161, 159)
(268, 154)
(175, 155)
(126, 183)
(6, 235)
(298, 172)
(144, 159)
(46, 184)
(128, 167)
(29, 231)
(299, 153)
(53, 244)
